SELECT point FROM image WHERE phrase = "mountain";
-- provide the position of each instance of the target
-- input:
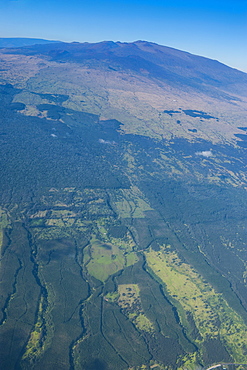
(147, 80)
(123, 217)
(169, 65)
(20, 42)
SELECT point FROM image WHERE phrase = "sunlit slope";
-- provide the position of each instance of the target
(153, 90)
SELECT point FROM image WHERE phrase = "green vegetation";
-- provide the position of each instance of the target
(128, 295)
(105, 260)
(142, 323)
(130, 302)
(111, 297)
(191, 294)
(3, 224)
(130, 203)
(38, 340)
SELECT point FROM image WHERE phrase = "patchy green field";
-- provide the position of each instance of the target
(212, 315)
(130, 203)
(130, 302)
(3, 224)
(105, 260)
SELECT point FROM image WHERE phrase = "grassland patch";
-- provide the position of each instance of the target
(131, 203)
(106, 259)
(189, 292)
(130, 302)
(4, 222)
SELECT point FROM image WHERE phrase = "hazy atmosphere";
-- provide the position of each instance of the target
(215, 29)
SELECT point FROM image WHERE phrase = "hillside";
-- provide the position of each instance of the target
(123, 217)
(20, 42)
(139, 84)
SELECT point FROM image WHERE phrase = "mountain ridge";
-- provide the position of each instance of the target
(9, 42)
(143, 43)
(157, 60)
(137, 87)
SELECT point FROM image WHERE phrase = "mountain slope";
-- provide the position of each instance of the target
(20, 42)
(140, 83)
(140, 56)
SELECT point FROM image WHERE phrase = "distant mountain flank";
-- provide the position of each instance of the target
(16, 42)
(164, 63)
(135, 83)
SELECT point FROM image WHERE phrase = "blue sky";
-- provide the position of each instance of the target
(216, 29)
